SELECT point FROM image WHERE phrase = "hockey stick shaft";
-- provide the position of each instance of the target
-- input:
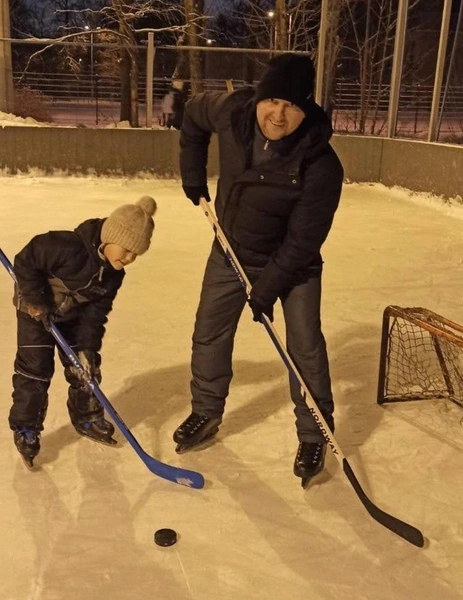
(175, 474)
(404, 530)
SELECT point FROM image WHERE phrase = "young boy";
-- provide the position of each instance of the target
(70, 278)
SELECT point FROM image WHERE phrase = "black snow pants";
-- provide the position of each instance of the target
(33, 370)
(221, 303)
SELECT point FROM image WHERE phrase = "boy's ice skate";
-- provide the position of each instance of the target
(100, 431)
(309, 461)
(27, 442)
(194, 431)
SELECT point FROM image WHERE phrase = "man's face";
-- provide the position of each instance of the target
(278, 118)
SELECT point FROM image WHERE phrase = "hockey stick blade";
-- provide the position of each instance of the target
(404, 530)
(175, 474)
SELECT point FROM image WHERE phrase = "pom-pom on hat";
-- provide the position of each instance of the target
(288, 77)
(131, 226)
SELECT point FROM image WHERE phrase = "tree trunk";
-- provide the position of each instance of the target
(364, 70)
(125, 85)
(194, 8)
(6, 72)
(281, 26)
(129, 68)
(133, 88)
(332, 51)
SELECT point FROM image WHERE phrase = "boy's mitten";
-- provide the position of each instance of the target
(40, 313)
(91, 369)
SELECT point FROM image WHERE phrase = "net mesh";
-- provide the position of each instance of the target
(421, 356)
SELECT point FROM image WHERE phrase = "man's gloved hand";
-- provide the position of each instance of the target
(40, 313)
(258, 310)
(196, 192)
(91, 369)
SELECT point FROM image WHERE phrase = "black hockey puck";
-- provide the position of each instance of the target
(165, 537)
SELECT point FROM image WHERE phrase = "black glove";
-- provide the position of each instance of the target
(258, 310)
(196, 192)
(89, 360)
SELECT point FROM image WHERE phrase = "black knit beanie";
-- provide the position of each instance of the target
(288, 77)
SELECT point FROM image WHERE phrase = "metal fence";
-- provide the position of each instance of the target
(414, 110)
(88, 99)
(93, 100)
(86, 95)
(71, 88)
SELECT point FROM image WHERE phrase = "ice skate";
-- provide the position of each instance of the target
(100, 431)
(27, 442)
(309, 461)
(195, 431)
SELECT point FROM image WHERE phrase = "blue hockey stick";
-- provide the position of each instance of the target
(175, 474)
(404, 530)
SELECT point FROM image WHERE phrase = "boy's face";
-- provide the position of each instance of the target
(117, 256)
(278, 118)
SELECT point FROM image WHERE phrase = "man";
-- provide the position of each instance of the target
(279, 187)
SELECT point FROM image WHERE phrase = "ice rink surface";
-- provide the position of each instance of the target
(82, 525)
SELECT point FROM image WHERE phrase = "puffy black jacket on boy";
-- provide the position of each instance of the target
(277, 213)
(63, 271)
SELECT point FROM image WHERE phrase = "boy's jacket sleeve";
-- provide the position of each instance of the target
(36, 261)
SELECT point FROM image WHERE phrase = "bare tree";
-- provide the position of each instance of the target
(370, 42)
(21, 18)
(333, 46)
(303, 22)
(122, 23)
(281, 25)
(129, 21)
(194, 10)
(6, 74)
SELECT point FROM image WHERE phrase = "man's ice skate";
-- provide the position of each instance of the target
(309, 461)
(99, 431)
(27, 442)
(195, 431)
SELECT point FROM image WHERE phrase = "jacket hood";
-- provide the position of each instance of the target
(90, 233)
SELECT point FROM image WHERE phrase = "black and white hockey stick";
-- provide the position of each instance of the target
(404, 530)
(175, 474)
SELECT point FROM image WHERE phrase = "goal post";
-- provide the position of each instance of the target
(421, 357)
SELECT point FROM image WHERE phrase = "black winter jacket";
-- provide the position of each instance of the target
(62, 271)
(275, 215)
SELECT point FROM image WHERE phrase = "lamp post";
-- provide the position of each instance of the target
(91, 61)
(272, 45)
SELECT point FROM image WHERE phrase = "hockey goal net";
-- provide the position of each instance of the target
(421, 357)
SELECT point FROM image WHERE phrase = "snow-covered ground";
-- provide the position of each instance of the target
(82, 526)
